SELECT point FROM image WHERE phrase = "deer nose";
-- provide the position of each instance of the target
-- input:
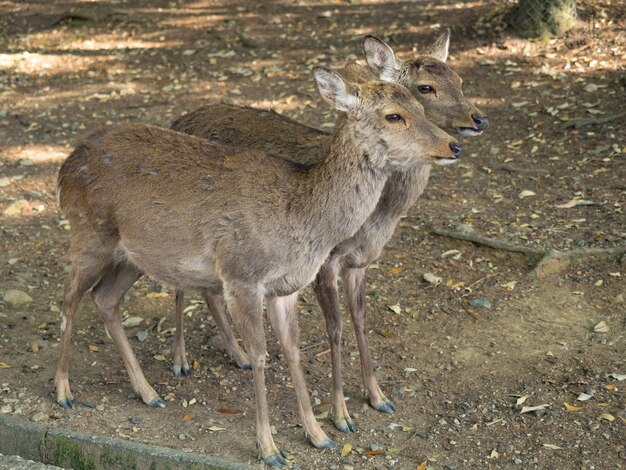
(482, 122)
(456, 149)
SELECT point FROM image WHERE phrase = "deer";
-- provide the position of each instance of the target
(439, 90)
(239, 222)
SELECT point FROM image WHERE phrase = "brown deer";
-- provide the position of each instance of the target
(438, 89)
(196, 215)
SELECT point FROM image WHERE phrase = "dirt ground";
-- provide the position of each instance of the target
(550, 172)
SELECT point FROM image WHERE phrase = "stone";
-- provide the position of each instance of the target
(17, 297)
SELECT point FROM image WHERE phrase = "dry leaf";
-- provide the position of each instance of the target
(422, 466)
(521, 399)
(228, 411)
(42, 326)
(584, 397)
(607, 416)
(34, 347)
(159, 357)
(4, 365)
(216, 428)
(575, 202)
(601, 327)
(431, 278)
(552, 446)
(93, 348)
(186, 418)
(156, 295)
(526, 193)
(371, 453)
(396, 270)
(528, 409)
(569, 407)
(619, 377)
(130, 322)
(346, 449)
(196, 365)
(395, 308)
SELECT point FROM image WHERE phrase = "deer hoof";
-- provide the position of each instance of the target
(157, 403)
(346, 426)
(275, 460)
(385, 407)
(186, 371)
(246, 366)
(67, 403)
(326, 444)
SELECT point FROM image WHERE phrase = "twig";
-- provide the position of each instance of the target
(582, 122)
(322, 353)
(311, 346)
(490, 242)
(512, 169)
(482, 279)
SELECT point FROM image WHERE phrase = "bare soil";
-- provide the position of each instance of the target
(459, 374)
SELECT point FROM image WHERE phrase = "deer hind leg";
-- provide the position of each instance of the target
(214, 305)
(181, 366)
(325, 287)
(354, 288)
(107, 295)
(86, 270)
(245, 304)
(284, 318)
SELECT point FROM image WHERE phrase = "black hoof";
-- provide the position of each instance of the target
(326, 444)
(275, 460)
(346, 426)
(385, 407)
(157, 403)
(246, 366)
(67, 403)
(186, 371)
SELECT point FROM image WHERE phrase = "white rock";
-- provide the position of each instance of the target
(17, 297)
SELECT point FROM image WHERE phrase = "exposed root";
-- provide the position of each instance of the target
(546, 261)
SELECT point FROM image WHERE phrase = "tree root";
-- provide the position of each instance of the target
(546, 261)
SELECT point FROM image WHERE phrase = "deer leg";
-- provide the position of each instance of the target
(354, 288)
(284, 318)
(181, 366)
(226, 333)
(325, 287)
(82, 276)
(107, 295)
(246, 309)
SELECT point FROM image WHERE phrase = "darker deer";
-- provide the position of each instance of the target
(438, 89)
(197, 215)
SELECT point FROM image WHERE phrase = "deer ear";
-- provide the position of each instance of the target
(439, 50)
(335, 90)
(381, 58)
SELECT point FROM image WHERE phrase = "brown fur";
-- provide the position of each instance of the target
(197, 215)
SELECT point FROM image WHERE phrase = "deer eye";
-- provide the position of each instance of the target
(394, 118)
(425, 89)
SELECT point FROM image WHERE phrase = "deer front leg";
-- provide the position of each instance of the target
(246, 309)
(107, 295)
(214, 305)
(284, 318)
(325, 287)
(354, 289)
(181, 366)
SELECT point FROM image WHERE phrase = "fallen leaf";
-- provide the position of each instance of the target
(395, 308)
(619, 377)
(346, 449)
(196, 365)
(584, 397)
(409, 369)
(34, 347)
(575, 202)
(186, 418)
(93, 348)
(130, 322)
(450, 253)
(228, 411)
(4, 365)
(601, 327)
(526, 193)
(422, 466)
(607, 416)
(159, 357)
(509, 285)
(521, 399)
(569, 407)
(216, 428)
(431, 278)
(528, 409)
(371, 453)
(611, 387)
(396, 270)
(42, 326)
(552, 446)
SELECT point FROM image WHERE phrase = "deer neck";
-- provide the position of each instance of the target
(342, 190)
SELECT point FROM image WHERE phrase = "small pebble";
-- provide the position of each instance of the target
(182, 437)
(136, 420)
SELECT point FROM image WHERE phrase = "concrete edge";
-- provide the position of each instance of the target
(82, 451)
